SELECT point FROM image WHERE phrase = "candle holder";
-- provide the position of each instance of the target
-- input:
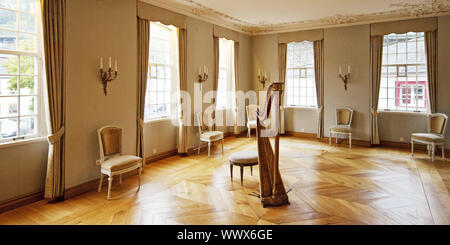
(262, 79)
(202, 77)
(106, 77)
(345, 78)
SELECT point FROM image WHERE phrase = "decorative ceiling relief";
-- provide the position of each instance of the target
(254, 26)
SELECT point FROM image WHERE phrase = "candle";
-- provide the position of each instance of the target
(259, 72)
(116, 65)
(207, 70)
(199, 70)
(265, 74)
(109, 61)
(340, 70)
(348, 68)
(204, 69)
(101, 63)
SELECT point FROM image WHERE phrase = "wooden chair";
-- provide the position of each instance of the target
(207, 136)
(251, 118)
(437, 125)
(344, 116)
(112, 161)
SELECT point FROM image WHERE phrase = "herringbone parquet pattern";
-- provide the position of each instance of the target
(329, 185)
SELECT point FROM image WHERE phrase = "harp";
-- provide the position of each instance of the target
(272, 191)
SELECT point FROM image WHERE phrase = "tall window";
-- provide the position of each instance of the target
(21, 114)
(163, 74)
(404, 81)
(300, 78)
(226, 86)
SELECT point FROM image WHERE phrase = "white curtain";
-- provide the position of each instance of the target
(175, 74)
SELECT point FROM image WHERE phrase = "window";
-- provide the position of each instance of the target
(163, 74)
(300, 77)
(226, 86)
(21, 107)
(404, 81)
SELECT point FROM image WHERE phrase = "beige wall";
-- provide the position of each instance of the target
(443, 103)
(95, 29)
(22, 169)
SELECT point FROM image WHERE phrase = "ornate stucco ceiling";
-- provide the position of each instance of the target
(271, 16)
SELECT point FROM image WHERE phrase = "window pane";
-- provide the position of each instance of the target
(8, 85)
(11, 4)
(8, 40)
(27, 42)
(8, 128)
(28, 105)
(8, 64)
(28, 126)
(27, 65)
(8, 19)
(28, 85)
(8, 106)
(27, 22)
(28, 5)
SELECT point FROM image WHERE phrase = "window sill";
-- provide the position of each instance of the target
(404, 113)
(157, 121)
(301, 107)
(22, 142)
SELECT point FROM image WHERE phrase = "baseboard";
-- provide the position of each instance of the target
(301, 134)
(21, 201)
(160, 156)
(326, 139)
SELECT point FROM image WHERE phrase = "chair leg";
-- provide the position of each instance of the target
(432, 152)
(350, 141)
(336, 135)
(100, 183)
(120, 179)
(242, 175)
(251, 170)
(222, 146)
(412, 148)
(139, 178)
(199, 146)
(110, 179)
(209, 148)
(248, 132)
(329, 138)
(231, 170)
(443, 152)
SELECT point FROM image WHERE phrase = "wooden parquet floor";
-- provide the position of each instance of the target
(329, 185)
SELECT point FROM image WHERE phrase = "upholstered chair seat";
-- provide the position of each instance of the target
(243, 159)
(429, 137)
(437, 124)
(212, 135)
(207, 136)
(343, 125)
(120, 162)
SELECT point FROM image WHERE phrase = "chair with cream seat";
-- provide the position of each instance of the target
(251, 118)
(112, 161)
(207, 136)
(344, 116)
(437, 124)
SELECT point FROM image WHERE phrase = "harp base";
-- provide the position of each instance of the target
(278, 200)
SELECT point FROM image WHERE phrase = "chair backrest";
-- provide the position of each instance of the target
(110, 141)
(251, 112)
(344, 116)
(201, 126)
(437, 123)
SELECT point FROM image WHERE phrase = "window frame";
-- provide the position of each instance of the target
(168, 111)
(399, 86)
(39, 114)
(307, 70)
(226, 87)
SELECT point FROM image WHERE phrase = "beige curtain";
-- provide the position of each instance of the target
(143, 53)
(216, 74)
(376, 54)
(282, 51)
(319, 71)
(53, 23)
(182, 131)
(431, 49)
(237, 117)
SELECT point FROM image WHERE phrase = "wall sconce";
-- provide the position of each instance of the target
(202, 77)
(262, 78)
(107, 75)
(344, 77)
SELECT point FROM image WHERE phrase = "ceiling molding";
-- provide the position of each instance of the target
(400, 11)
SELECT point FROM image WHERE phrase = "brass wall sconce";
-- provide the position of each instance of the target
(108, 75)
(262, 78)
(344, 77)
(202, 76)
